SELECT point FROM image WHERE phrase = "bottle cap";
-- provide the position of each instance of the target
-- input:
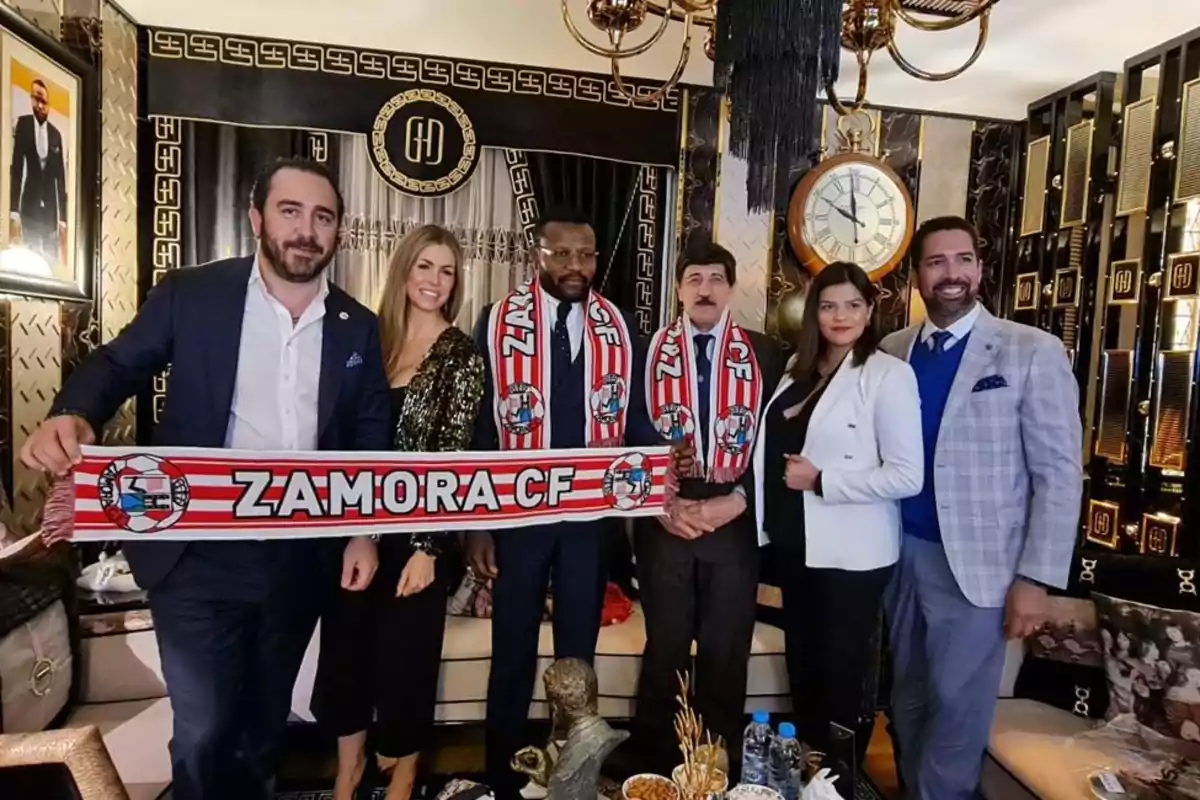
(787, 730)
(762, 717)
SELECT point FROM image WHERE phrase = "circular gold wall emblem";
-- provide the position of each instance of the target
(423, 143)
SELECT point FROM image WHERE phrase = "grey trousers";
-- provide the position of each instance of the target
(948, 656)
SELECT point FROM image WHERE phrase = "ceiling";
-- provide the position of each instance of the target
(1035, 47)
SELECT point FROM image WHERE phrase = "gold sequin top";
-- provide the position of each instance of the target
(439, 407)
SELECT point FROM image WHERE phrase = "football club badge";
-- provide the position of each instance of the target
(735, 429)
(627, 482)
(143, 493)
(522, 409)
(608, 399)
(675, 422)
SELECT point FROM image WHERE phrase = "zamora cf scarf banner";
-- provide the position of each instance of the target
(187, 494)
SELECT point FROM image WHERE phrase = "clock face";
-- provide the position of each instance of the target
(856, 212)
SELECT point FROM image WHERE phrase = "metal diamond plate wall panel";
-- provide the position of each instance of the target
(118, 191)
(36, 341)
(746, 235)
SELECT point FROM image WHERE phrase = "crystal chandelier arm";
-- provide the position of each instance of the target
(860, 98)
(917, 72)
(661, 92)
(616, 51)
(933, 26)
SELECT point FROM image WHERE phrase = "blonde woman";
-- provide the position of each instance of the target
(381, 649)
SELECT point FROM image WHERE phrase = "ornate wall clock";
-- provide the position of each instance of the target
(851, 207)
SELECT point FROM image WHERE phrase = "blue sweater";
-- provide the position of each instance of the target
(935, 375)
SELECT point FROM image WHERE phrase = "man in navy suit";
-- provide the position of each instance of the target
(265, 354)
(568, 558)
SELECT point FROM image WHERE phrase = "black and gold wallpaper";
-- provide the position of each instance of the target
(41, 341)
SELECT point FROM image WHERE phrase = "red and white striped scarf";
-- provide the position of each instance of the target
(735, 392)
(519, 339)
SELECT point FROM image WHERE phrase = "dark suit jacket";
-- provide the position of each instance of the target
(193, 321)
(639, 431)
(38, 193)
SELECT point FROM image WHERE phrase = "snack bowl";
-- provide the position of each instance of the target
(648, 786)
(752, 791)
(720, 781)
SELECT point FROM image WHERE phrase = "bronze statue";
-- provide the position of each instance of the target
(587, 740)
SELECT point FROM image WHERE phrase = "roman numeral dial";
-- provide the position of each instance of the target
(851, 207)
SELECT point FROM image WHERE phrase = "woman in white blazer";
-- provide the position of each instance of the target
(841, 446)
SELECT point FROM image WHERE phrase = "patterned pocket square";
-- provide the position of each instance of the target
(990, 382)
(354, 361)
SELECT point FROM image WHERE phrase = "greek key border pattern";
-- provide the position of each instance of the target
(167, 245)
(647, 249)
(240, 51)
(522, 186)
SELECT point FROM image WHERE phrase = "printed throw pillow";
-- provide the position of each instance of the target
(1152, 662)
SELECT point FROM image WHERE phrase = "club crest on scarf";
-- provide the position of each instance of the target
(143, 493)
(524, 409)
(735, 395)
(519, 334)
(627, 483)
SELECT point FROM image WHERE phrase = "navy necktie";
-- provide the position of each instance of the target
(703, 376)
(940, 340)
(560, 344)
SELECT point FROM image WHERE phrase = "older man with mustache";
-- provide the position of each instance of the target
(995, 524)
(698, 568)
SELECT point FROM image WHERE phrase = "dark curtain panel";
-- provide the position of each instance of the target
(220, 165)
(607, 192)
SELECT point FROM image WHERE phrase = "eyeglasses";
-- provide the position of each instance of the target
(560, 258)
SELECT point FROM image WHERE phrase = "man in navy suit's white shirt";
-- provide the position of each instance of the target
(995, 523)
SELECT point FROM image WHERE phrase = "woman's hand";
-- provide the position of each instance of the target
(417, 575)
(800, 475)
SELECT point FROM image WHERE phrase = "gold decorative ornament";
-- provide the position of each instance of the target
(851, 207)
(619, 18)
(425, 164)
(867, 27)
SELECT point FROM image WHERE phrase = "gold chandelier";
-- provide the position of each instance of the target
(867, 27)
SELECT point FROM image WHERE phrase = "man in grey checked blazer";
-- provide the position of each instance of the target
(995, 524)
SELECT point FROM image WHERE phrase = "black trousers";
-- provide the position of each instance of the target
(233, 620)
(381, 655)
(829, 618)
(568, 559)
(704, 591)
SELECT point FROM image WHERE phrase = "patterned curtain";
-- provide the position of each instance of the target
(482, 214)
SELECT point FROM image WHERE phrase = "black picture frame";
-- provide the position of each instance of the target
(87, 173)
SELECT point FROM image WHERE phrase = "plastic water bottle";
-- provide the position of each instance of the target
(756, 750)
(787, 762)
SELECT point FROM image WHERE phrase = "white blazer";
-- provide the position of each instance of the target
(865, 438)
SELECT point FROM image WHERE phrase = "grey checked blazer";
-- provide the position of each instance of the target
(1007, 469)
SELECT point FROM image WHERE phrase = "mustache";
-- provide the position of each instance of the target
(952, 283)
(704, 301)
(307, 245)
(575, 275)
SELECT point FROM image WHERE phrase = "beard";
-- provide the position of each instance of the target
(40, 116)
(571, 292)
(298, 260)
(951, 307)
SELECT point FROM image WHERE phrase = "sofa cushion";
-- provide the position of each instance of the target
(1032, 743)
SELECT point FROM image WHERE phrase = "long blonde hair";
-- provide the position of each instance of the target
(393, 305)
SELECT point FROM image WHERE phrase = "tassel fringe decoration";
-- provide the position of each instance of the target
(773, 57)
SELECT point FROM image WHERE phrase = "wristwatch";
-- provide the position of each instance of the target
(818, 490)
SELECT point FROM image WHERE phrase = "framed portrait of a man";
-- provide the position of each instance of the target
(48, 133)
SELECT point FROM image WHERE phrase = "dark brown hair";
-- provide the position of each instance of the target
(810, 345)
(937, 225)
(262, 182)
(705, 253)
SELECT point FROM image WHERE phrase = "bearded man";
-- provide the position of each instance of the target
(265, 354)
